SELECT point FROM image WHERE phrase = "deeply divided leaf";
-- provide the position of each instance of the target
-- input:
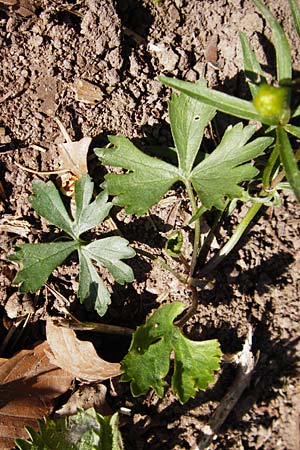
(47, 202)
(220, 174)
(188, 118)
(148, 361)
(146, 182)
(92, 290)
(107, 252)
(39, 260)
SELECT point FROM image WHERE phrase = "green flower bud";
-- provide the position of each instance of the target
(272, 102)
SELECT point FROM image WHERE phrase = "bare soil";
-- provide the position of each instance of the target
(121, 47)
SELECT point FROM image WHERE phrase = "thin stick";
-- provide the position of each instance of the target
(246, 365)
(37, 172)
(76, 324)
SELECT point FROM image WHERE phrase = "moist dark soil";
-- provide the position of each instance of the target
(49, 51)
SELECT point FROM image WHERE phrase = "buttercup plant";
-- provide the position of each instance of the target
(214, 180)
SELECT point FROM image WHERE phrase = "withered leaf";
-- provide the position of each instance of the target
(87, 92)
(29, 383)
(78, 357)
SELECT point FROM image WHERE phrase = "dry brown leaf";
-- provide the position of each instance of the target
(87, 396)
(87, 92)
(74, 155)
(29, 383)
(78, 357)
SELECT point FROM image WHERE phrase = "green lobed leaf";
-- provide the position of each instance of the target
(92, 290)
(189, 119)
(109, 252)
(219, 100)
(86, 430)
(148, 180)
(47, 202)
(148, 360)
(38, 262)
(219, 175)
(88, 215)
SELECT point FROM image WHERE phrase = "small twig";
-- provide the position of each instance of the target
(76, 324)
(246, 365)
(37, 172)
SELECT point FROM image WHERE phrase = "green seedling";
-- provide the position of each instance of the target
(271, 106)
(86, 430)
(39, 260)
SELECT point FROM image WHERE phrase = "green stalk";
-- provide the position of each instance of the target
(231, 243)
(266, 178)
(288, 160)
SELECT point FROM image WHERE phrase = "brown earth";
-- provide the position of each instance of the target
(121, 47)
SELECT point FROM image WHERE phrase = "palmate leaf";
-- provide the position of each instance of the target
(216, 177)
(86, 430)
(220, 173)
(188, 119)
(108, 252)
(148, 180)
(39, 260)
(148, 361)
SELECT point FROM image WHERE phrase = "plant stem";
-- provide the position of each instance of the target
(191, 310)
(230, 244)
(266, 178)
(196, 244)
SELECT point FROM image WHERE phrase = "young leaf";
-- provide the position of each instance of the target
(86, 430)
(48, 203)
(145, 184)
(148, 361)
(38, 262)
(188, 119)
(88, 215)
(92, 290)
(219, 174)
(108, 252)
